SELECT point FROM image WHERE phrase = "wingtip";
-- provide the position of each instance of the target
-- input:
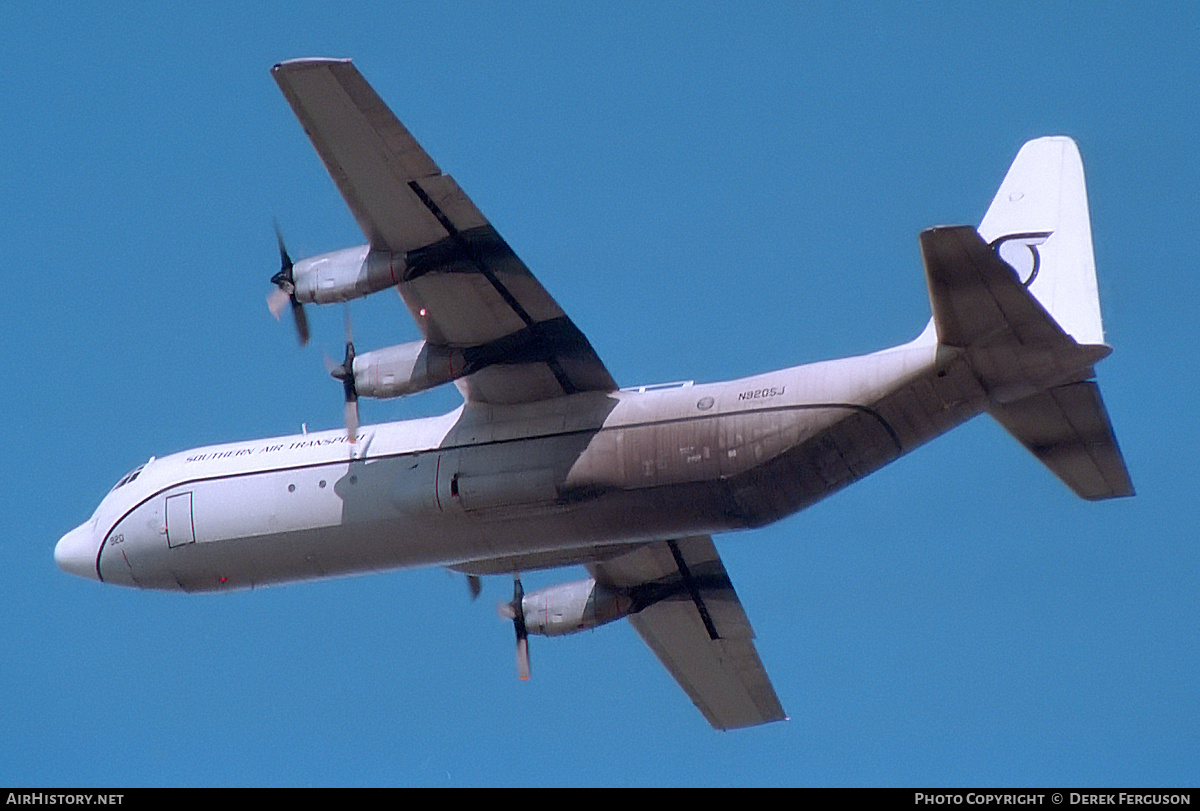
(308, 62)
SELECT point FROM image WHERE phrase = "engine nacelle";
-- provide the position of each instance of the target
(346, 274)
(573, 607)
(406, 369)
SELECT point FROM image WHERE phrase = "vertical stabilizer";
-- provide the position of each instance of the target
(1039, 224)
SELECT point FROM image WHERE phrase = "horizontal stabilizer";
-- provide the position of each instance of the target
(1068, 429)
(1015, 347)
(976, 296)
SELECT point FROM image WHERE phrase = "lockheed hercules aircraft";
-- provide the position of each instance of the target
(548, 463)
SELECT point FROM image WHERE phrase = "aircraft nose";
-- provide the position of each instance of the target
(75, 552)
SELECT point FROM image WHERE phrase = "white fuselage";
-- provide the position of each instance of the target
(488, 489)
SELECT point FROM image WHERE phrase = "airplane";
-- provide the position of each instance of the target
(549, 463)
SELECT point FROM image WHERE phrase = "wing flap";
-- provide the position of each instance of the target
(724, 678)
(699, 632)
(451, 201)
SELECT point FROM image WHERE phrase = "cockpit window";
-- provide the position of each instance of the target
(128, 477)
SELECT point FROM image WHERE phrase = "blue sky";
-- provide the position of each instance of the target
(710, 191)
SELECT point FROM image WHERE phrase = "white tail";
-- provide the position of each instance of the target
(1038, 223)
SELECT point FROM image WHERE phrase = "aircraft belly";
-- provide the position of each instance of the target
(781, 467)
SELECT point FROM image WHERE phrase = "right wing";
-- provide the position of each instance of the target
(699, 632)
(462, 283)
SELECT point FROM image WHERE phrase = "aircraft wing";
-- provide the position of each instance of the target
(699, 630)
(464, 286)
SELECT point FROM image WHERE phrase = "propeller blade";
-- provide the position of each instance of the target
(285, 261)
(523, 658)
(285, 284)
(518, 606)
(515, 611)
(352, 421)
(276, 301)
(345, 373)
(301, 320)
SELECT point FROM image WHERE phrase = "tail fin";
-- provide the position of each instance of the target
(1019, 297)
(1038, 223)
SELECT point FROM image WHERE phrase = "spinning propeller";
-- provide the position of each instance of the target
(285, 291)
(345, 373)
(515, 611)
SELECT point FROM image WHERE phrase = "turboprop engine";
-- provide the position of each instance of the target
(346, 274)
(349, 274)
(392, 372)
(562, 609)
(570, 607)
(396, 371)
(336, 276)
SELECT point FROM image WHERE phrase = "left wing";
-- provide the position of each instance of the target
(699, 630)
(464, 286)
